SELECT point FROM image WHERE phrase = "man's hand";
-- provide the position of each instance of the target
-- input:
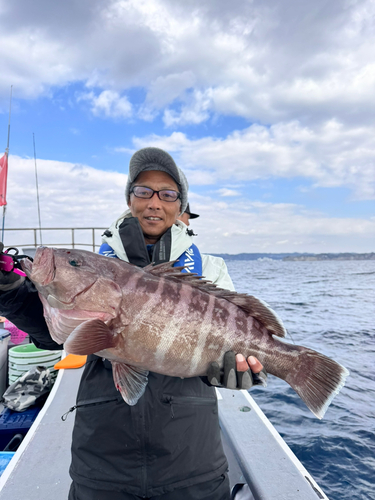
(237, 372)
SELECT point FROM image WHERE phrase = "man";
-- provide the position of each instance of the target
(167, 446)
(187, 215)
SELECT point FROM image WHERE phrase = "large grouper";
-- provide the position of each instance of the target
(166, 321)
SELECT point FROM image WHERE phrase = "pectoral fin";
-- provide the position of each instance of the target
(91, 336)
(130, 381)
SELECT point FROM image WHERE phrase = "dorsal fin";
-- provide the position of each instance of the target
(249, 304)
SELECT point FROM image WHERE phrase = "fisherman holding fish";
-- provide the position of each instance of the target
(165, 444)
(158, 338)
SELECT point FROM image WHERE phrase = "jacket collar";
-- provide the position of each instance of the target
(180, 239)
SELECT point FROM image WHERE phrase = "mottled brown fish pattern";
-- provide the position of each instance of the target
(162, 320)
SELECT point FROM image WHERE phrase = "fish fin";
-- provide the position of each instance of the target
(250, 305)
(164, 269)
(130, 381)
(316, 378)
(89, 337)
(258, 309)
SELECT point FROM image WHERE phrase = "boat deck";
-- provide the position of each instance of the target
(39, 469)
(256, 453)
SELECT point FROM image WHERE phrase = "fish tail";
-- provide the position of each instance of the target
(316, 378)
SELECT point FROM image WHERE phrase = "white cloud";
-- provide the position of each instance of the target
(302, 74)
(266, 227)
(196, 110)
(331, 155)
(108, 103)
(265, 61)
(70, 195)
(81, 196)
(228, 192)
(165, 89)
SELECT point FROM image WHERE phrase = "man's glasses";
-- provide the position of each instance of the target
(147, 193)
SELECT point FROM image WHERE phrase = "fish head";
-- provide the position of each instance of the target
(75, 279)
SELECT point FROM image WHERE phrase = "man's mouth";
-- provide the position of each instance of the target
(153, 218)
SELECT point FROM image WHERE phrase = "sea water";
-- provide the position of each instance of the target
(328, 306)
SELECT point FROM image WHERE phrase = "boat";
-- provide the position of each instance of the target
(256, 453)
(258, 457)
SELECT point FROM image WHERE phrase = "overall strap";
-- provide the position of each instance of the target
(132, 238)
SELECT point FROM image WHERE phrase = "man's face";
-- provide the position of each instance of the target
(155, 216)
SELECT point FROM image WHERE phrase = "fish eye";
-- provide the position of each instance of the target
(74, 263)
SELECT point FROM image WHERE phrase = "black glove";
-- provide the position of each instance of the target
(8, 279)
(230, 378)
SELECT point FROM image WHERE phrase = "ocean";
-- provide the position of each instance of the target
(328, 306)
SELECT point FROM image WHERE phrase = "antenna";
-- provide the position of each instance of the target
(37, 193)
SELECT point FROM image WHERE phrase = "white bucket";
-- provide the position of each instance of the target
(24, 357)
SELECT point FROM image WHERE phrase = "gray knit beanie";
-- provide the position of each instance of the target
(156, 159)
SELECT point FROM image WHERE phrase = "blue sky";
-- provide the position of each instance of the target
(267, 106)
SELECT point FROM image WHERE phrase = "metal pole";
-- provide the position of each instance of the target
(37, 193)
(10, 109)
(3, 225)
(73, 237)
(93, 239)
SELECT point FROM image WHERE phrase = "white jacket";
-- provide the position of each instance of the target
(214, 268)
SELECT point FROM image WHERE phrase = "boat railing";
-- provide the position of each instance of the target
(78, 237)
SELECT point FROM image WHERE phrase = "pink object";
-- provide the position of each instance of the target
(18, 271)
(7, 264)
(3, 179)
(17, 336)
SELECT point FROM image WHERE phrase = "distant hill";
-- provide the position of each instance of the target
(298, 256)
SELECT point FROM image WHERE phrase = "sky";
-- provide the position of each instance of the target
(267, 106)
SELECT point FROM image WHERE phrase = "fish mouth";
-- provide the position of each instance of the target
(42, 270)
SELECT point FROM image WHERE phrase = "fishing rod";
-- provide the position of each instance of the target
(37, 193)
(9, 258)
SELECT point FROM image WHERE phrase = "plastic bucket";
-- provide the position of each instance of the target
(24, 357)
(28, 353)
(21, 368)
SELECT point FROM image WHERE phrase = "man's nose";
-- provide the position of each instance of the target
(154, 201)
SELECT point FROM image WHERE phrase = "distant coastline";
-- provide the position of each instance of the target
(298, 256)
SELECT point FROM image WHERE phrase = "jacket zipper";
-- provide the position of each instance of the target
(193, 400)
(83, 405)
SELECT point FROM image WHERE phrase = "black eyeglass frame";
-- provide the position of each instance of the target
(157, 192)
